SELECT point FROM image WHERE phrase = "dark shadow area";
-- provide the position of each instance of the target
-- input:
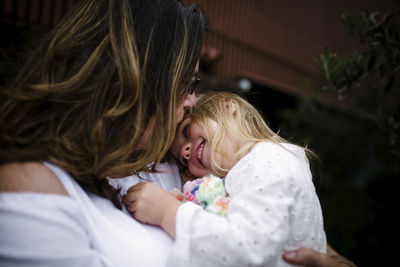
(270, 102)
(356, 179)
(18, 39)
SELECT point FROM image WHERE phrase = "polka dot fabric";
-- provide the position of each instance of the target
(273, 208)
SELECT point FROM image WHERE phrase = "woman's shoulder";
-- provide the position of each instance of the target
(29, 177)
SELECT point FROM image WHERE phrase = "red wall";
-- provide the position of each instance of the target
(274, 42)
(270, 42)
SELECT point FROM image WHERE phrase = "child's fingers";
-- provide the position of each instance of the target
(131, 207)
(130, 197)
(136, 187)
(133, 193)
(138, 211)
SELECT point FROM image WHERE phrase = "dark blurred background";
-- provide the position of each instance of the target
(266, 51)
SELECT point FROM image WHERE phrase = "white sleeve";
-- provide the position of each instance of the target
(256, 225)
(44, 230)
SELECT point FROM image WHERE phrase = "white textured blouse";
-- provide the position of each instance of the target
(80, 229)
(273, 208)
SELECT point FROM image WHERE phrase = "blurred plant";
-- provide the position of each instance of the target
(353, 142)
(373, 70)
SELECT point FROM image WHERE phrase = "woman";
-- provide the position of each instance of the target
(110, 79)
(100, 97)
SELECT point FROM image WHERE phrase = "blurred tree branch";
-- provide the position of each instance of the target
(373, 70)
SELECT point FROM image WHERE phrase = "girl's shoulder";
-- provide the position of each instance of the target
(278, 148)
(277, 153)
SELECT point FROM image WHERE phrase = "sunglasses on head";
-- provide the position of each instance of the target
(194, 83)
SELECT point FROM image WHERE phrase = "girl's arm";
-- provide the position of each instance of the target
(151, 204)
(165, 217)
(241, 238)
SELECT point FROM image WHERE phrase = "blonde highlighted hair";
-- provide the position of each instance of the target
(89, 92)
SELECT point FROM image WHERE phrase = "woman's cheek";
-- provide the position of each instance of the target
(179, 112)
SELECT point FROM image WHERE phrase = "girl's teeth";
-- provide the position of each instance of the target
(199, 151)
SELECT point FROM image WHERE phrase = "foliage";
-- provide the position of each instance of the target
(359, 149)
(369, 75)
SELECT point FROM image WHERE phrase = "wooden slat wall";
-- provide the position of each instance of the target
(44, 12)
(271, 42)
(274, 42)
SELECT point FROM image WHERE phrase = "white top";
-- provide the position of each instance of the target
(80, 229)
(273, 208)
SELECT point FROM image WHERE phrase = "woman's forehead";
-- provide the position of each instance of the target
(186, 120)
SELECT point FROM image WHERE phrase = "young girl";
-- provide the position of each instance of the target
(273, 205)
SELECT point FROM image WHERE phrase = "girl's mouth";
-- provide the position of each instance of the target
(199, 154)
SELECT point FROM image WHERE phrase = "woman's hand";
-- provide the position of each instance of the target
(308, 257)
(151, 204)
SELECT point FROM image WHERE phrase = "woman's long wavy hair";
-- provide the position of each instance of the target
(251, 126)
(105, 73)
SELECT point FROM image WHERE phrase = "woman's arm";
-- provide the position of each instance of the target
(44, 230)
(29, 177)
(310, 258)
(39, 224)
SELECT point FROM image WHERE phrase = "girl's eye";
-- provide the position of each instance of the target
(185, 130)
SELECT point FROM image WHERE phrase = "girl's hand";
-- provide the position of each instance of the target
(151, 204)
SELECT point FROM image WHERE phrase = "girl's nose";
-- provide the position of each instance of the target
(186, 150)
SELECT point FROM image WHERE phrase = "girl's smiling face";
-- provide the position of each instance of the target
(192, 148)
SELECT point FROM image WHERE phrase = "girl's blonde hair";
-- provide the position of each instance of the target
(222, 107)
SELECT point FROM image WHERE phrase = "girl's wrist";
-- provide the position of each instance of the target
(168, 220)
